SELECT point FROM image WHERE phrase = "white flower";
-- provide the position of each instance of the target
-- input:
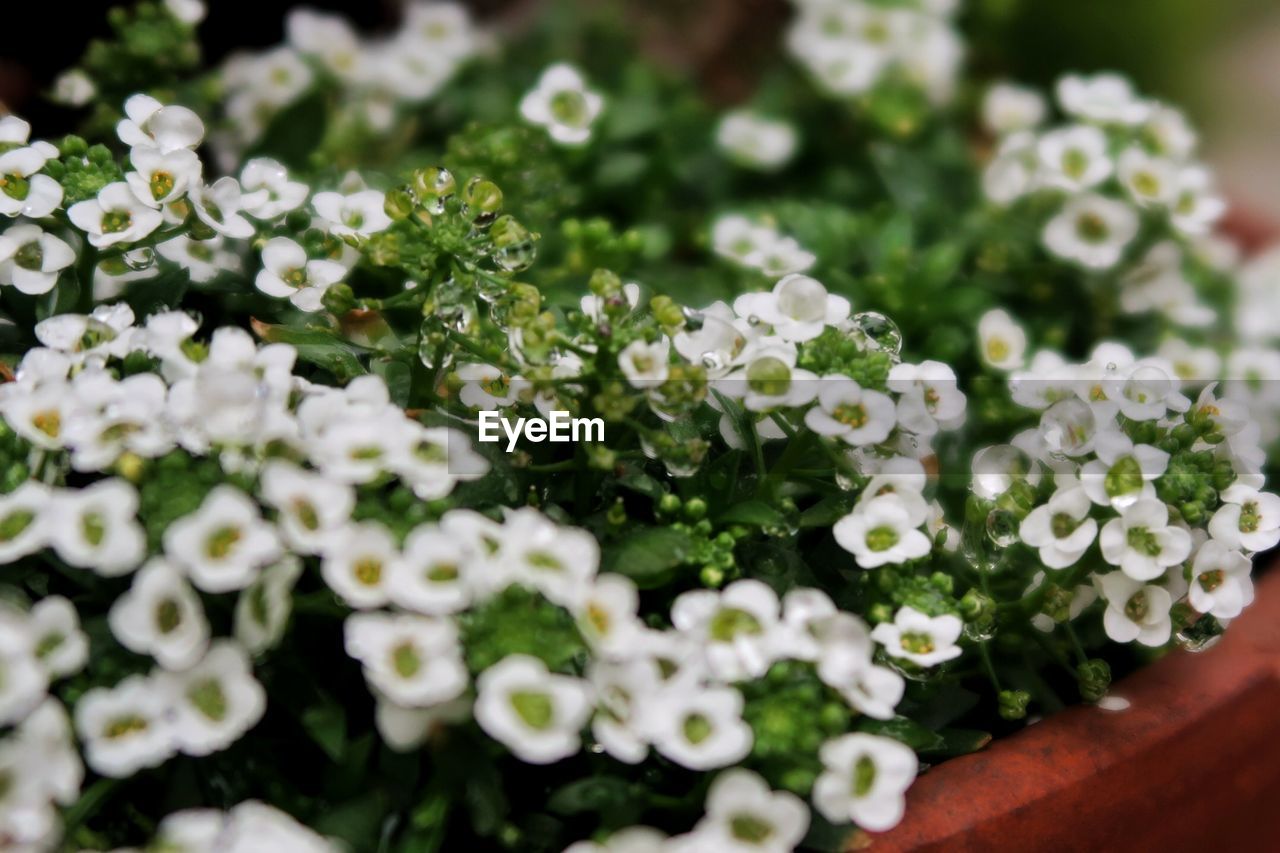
(168, 128)
(59, 643)
(1142, 542)
(218, 205)
(311, 506)
(287, 274)
(115, 216)
(358, 562)
(560, 562)
(406, 729)
(1247, 519)
(1061, 529)
(1091, 230)
(432, 460)
(744, 816)
(1196, 205)
(846, 666)
(799, 308)
(924, 640)
(268, 192)
(161, 615)
(485, 386)
(204, 260)
(1103, 98)
(1011, 172)
(622, 689)
(633, 839)
(930, 399)
(863, 780)
(858, 416)
(31, 259)
(755, 141)
(222, 545)
(562, 103)
(189, 12)
(214, 702)
(880, 531)
(356, 215)
(414, 661)
(160, 178)
(26, 680)
(73, 88)
(24, 521)
(1123, 471)
(24, 192)
(328, 37)
(95, 527)
(124, 728)
(1008, 108)
(645, 364)
(532, 712)
(1135, 611)
(1074, 158)
(607, 616)
(736, 627)
(1001, 341)
(263, 609)
(1150, 181)
(1220, 582)
(699, 728)
(432, 573)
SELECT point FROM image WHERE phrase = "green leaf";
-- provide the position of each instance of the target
(327, 725)
(592, 794)
(649, 555)
(906, 730)
(826, 512)
(958, 742)
(638, 481)
(356, 821)
(757, 513)
(295, 132)
(320, 347)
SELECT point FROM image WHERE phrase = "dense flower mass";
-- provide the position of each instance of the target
(265, 589)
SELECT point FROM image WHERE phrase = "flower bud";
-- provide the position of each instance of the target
(1013, 704)
(1093, 677)
(398, 204)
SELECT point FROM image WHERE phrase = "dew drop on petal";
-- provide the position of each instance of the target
(877, 332)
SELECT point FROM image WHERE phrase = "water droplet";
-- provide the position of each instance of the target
(1068, 427)
(712, 360)
(877, 332)
(1126, 499)
(753, 320)
(998, 467)
(1202, 634)
(516, 258)
(979, 634)
(1002, 528)
(693, 320)
(140, 259)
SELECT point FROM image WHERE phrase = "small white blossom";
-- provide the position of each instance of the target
(23, 191)
(167, 128)
(115, 216)
(699, 728)
(1150, 181)
(1102, 98)
(124, 728)
(534, 713)
(645, 364)
(263, 609)
(1091, 230)
(358, 214)
(218, 205)
(1220, 582)
(1142, 542)
(1247, 519)
(268, 192)
(1135, 611)
(1061, 529)
(755, 141)
(1008, 108)
(160, 178)
(1002, 343)
(223, 544)
(31, 259)
(858, 416)
(880, 531)
(414, 661)
(737, 627)
(95, 527)
(214, 702)
(863, 780)
(1074, 158)
(744, 816)
(358, 562)
(162, 616)
(60, 645)
(287, 274)
(562, 103)
(924, 640)
(798, 308)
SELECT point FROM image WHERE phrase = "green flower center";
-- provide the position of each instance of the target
(1250, 518)
(93, 527)
(443, 572)
(115, 221)
(1144, 541)
(48, 422)
(917, 643)
(15, 186)
(749, 828)
(1092, 228)
(168, 615)
(1212, 579)
(209, 698)
(368, 570)
(769, 376)
(696, 728)
(221, 542)
(1123, 478)
(534, 708)
(1136, 607)
(598, 618)
(13, 524)
(569, 108)
(49, 643)
(851, 414)
(729, 622)
(1074, 163)
(1146, 184)
(882, 538)
(864, 776)
(162, 184)
(1063, 525)
(545, 561)
(406, 660)
(305, 511)
(29, 256)
(125, 725)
